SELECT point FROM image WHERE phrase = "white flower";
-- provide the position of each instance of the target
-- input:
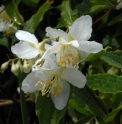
(75, 44)
(53, 81)
(28, 47)
(119, 6)
(23, 49)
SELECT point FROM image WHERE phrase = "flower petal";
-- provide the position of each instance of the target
(26, 36)
(28, 84)
(74, 76)
(54, 33)
(61, 100)
(81, 28)
(24, 50)
(50, 62)
(90, 46)
(74, 43)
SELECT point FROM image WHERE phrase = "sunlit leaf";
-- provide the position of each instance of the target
(78, 107)
(105, 83)
(14, 14)
(34, 21)
(93, 56)
(113, 58)
(66, 17)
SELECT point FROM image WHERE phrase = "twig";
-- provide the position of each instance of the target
(106, 12)
(4, 102)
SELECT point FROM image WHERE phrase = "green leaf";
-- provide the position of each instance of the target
(113, 58)
(34, 21)
(116, 101)
(97, 5)
(31, 2)
(85, 119)
(85, 99)
(78, 107)
(66, 13)
(112, 114)
(13, 13)
(93, 56)
(115, 20)
(46, 112)
(4, 42)
(105, 83)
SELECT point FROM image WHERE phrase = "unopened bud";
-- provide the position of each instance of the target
(14, 68)
(4, 66)
(26, 66)
(113, 71)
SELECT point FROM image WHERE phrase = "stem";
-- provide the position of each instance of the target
(107, 12)
(22, 98)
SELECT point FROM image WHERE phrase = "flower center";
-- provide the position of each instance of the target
(51, 86)
(67, 56)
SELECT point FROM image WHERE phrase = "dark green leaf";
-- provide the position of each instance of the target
(85, 119)
(97, 5)
(31, 2)
(46, 112)
(13, 13)
(111, 115)
(85, 99)
(115, 20)
(34, 21)
(113, 58)
(4, 42)
(105, 83)
(116, 99)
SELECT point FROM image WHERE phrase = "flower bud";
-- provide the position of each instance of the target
(4, 66)
(113, 71)
(14, 69)
(26, 66)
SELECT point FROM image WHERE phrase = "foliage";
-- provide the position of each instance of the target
(99, 102)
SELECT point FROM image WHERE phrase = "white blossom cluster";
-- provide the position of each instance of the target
(52, 67)
(6, 25)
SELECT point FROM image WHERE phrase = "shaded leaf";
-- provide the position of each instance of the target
(115, 20)
(46, 112)
(4, 42)
(105, 83)
(97, 5)
(116, 100)
(111, 115)
(30, 2)
(84, 99)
